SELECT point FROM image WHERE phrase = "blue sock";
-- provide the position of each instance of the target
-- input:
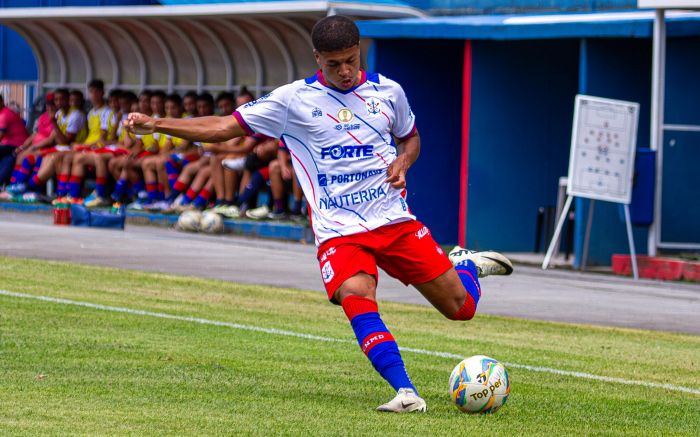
(75, 187)
(137, 187)
(120, 189)
(470, 279)
(256, 182)
(172, 168)
(376, 341)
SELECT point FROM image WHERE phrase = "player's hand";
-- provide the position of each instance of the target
(140, 124)
(396, 173)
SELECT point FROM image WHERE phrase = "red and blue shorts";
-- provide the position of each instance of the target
(405, 250)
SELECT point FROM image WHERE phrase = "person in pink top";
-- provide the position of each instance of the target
(29, 154)
(13, 133)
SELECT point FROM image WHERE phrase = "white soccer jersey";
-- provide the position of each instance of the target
(341, 144)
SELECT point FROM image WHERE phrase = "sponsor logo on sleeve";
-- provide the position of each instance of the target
(255, 102)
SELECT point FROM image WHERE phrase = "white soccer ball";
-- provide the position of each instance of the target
(211, 223)
(479, 384)
(189, 221)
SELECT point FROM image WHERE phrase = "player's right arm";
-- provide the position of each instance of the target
(212, 129)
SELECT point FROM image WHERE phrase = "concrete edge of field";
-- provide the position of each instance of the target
(285, 231)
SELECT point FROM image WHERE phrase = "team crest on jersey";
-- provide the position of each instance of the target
(373, 106)
(345, 115)
(316, 113)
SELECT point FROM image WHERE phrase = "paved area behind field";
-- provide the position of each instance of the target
(529, 293)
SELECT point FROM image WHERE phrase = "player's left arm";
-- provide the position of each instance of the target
(409, 149)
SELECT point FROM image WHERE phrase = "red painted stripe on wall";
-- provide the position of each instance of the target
(464, 158)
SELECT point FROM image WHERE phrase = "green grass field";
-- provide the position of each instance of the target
(66, 369)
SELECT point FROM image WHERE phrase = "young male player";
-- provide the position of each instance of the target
(338, 126)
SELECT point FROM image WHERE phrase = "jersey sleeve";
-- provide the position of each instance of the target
(268, 114)
(405, 122)
(105, 117)
(76, 120)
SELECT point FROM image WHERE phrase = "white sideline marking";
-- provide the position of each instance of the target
(275, 331)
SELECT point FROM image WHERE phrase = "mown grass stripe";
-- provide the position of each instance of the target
(275, 331)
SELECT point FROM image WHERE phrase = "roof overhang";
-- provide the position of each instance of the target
(219, 10)
(634, 24)
(668, 4)
(206, 47)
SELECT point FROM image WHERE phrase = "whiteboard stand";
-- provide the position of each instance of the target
(560, 224)
(557, 232)
(587, 238)
(630, 237)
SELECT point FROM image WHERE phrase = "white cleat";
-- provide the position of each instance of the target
(406, 401)
(487, 263)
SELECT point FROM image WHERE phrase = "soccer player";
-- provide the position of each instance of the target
(13, 134)
(29, 154)
(338, 126)
(93, 155)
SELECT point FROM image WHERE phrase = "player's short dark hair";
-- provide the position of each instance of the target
(175, 98)
(115, 93)
(63, 91)
(191, 94)
(245, 93)
(97, 84)
(129, 95)
(225, 95)
(147, 93)
(159, 93)
(206, 97)
(77, 93)
(335, 33)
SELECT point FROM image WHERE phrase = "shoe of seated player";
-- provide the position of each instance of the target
(30, 197)
(406, 401)
(135, 206)
(97, 201)
(259, 213)
(229, 211)
(277, 215)
(298, 218)
(90, 197)
(6, 195)
(487, 263)
(160, 205)
(16, 189)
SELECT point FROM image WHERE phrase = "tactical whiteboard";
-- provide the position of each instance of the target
(603, 142)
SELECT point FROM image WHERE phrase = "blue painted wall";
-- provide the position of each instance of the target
(434, 92)
(522, 106)
(16, 58)
(616, 69)
(681, 186)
